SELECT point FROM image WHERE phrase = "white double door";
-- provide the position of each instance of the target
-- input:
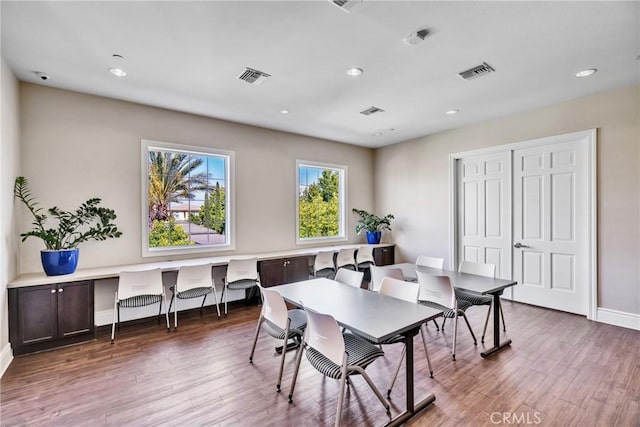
(526, 210)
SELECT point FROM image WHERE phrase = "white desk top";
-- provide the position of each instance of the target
(31, 279)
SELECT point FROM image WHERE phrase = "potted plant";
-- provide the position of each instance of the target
(89, 222)
(373, 224)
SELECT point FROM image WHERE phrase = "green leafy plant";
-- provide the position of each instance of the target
(371, 222)
(89, 222)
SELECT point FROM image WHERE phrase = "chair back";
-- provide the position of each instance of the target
(436, 289)
(365, 254)
(274, 308)
(136, 283)
(349, 277)
(400, 289)
(323, 261)
(479, 269)
(242, 269)
(194, 276)
(428, 261)
(323, 334)
(346, 257)
(378, 273)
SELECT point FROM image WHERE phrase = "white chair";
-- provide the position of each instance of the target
(323, 265)
(349, 277)
(138, 289)
(479, 269)
(437, 292)
(427, 261)
(193, 281)
(336, 355)
(378, 273)
(280, 323)
(346, 258)
(242, 274)
(407, 291)
(364, 258)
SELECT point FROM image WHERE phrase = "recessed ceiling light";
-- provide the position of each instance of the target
(452, 112)
(284, 111)
(354, 72)
(377, 134)
(586, 73)
(118, 72)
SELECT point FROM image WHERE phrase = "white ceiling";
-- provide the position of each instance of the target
(185, 56)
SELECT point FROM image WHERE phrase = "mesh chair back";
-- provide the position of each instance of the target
(274, 308)
(479, 269)
(400, 289)
(365, 254)
(436, 289)
(194, 276)
(242, 269)
(378, 273)
(324, 335)
(427, 261)
(136, 283)
(323, 260)
(349, 277)
(346, 257)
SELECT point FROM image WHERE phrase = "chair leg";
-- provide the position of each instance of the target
(160, 311)
(444, 320)
(504, 325)
(255, 338)
(395, 375)
(426, 352)
(437, 326)
(373, 387)
(175, 312)
(113, 323)
(486, 322)
(215, 298)
(284, 352)
(464, 316)
(295, 370)
(224, 297)
(455, 335)
(343, 380)
(202, 305)
(166, 313)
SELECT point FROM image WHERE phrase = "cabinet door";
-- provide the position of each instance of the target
(273, 272)
(75, 309)
(37, 314)
(297, 269)
(384, 255)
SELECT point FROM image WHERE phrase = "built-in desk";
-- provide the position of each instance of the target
(50, 311)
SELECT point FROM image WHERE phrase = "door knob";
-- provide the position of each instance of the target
(519, 245)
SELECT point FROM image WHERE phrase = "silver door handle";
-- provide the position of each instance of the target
(519, 245)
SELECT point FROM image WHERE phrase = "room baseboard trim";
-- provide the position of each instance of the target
(618, 318)
(5, 358)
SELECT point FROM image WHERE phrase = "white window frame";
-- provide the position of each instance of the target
(342, 197)
(229, 156)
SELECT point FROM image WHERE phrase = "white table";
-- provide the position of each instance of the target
(472, 283)
(371, 315)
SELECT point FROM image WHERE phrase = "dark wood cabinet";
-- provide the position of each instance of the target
(47, 316)
(283, 270)
(384, 255)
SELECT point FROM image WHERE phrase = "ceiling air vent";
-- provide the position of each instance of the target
(371, 110)
(346, 5)
(477, 71)
(252, 76)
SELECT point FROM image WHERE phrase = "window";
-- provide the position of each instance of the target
(187, 199)
(320, 202)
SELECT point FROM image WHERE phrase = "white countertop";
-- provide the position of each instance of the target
(31, 279)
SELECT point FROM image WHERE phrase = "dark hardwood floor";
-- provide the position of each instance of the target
(560, 370)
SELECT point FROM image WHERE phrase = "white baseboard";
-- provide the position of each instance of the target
(6, 356)
(618, 318)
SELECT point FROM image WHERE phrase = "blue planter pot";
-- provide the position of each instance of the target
(56, 263)
(373, 237)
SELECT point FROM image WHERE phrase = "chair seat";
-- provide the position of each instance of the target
(447, 312)
(242, 284)
(192, 293)
(474, 299)
(296, 328)
(140, 300)
(360, 353)
(329, 273)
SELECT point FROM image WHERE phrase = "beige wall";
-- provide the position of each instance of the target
(412, 182)
(9, 168)
(76, 146)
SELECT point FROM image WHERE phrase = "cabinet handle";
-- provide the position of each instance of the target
(61, 289)
(53, 291)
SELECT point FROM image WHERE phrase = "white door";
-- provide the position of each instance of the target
(550, 226)
(484, 211)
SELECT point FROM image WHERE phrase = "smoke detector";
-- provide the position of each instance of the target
(417, 37)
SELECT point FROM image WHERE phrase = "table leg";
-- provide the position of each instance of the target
(412, 408)
(497, 345)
